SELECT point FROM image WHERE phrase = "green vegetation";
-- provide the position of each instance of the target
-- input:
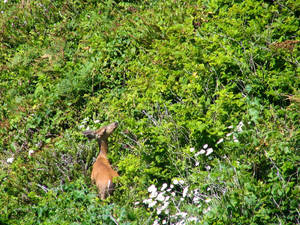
(206, 94)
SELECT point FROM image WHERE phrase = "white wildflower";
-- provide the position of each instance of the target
(230, 127)
(136, 203)
(158, 211)
(30, 152)
(153, 194)
(192, 149)
(229, 134)
(206, 210)
(155, 222)
(164, 222)
(163, 208)
(160, 197)
(164, 186)
(97, 121)
(147, 201)
(10, 160)
(152, 203)
(220, 141)
(185, 190)
(207, 200)
(205, 146)
(85, 120)
(5, 1)
(207, 168)
(152, 188)
(202, 152)
(235, 139)
(239, 127)
(196, 200)
(209, 151)
(181, 181)
(173, 194)
(197, 163)
(175, 181)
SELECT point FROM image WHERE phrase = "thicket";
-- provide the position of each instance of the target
(206, 94)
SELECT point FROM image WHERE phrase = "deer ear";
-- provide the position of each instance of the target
(90, 134)
(100, 132)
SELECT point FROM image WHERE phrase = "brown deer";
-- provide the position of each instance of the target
(102, 173)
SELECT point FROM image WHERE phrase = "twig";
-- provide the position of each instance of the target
(278, 170)
(113, 219)
(150, 117)
(43, 187)
(131, 139)
(63, 172)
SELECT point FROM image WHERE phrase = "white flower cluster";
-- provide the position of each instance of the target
(168, 198)
(208, 150)
(30, 152)
(163, 199)
(160, 198)
(233, 133)
(10, 160)
(205, 150)
(84, 124)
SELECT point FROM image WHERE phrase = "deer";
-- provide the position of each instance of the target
(102, 172)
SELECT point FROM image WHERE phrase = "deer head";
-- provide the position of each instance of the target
(102, 133)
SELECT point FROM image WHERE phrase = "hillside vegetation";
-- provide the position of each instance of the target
(207, 98)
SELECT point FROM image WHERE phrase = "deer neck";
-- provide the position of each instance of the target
(103, 148)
